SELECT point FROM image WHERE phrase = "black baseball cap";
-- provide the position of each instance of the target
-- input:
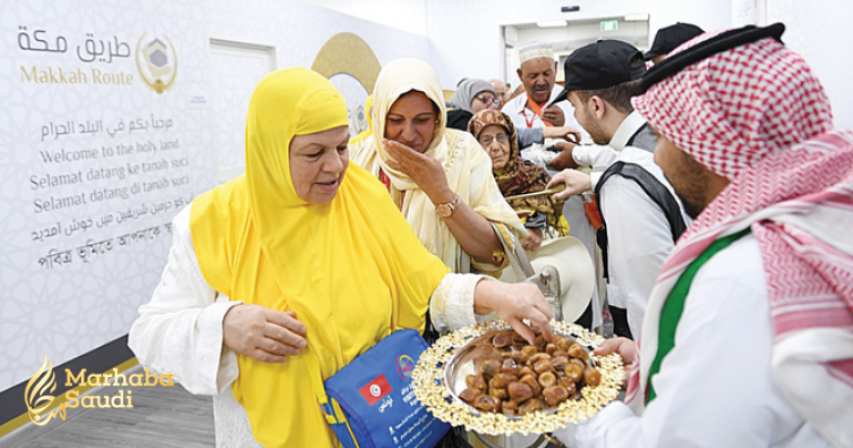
(603, 64)
(670, 37)
(722, 42)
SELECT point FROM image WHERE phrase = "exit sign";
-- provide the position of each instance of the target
(609, 25)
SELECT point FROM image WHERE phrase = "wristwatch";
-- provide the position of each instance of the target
(446, 210)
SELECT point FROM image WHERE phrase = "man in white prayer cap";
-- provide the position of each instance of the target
(533, 110)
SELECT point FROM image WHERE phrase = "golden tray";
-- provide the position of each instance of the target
(436, 379)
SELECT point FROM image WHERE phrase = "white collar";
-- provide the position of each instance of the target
(630, 125)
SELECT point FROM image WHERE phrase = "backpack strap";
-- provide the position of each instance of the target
(630, 141)
(656, 191)
(331, 408)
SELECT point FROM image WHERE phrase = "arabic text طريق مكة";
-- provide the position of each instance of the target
(90, 51)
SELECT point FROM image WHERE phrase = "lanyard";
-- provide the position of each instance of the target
(536, 110)
(387, 182)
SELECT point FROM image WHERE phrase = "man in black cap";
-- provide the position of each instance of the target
(641, 215)
(670, 37)
(602, 78)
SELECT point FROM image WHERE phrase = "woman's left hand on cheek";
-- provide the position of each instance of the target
(421, 168)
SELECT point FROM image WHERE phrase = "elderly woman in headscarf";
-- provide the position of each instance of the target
(300, 265)
(471, 96)
(516, 176)
(439, 178)
(475, 95)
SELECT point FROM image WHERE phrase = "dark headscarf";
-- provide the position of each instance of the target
(520, 176)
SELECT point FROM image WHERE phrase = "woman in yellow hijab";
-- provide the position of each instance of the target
(439, 178)
(302, 263)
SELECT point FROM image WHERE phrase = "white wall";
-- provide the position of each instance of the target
(575, 35)
(69, 309)
(467, 39)
(819, 32)
(406, 15)
(567, 39)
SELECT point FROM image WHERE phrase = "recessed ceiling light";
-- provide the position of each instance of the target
(552, 24)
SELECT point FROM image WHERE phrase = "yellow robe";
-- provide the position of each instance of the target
(352, 270)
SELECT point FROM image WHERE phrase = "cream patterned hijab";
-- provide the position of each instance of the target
(466, 165)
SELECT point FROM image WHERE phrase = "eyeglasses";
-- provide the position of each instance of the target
(488, 100)
(487, 140)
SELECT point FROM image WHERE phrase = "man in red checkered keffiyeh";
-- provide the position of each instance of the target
(748, 335)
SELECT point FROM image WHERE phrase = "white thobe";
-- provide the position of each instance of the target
(715, 388)
(524, 118)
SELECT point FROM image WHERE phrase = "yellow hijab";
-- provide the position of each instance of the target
(352, 269)
(467, 167)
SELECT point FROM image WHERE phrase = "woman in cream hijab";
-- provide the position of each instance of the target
(300, 265)
(439, 178)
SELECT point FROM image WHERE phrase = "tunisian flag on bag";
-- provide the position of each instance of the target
(375, 390)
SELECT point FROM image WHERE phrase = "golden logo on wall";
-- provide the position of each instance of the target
(347, 53)
(350, 54)
(39, 390)
(157, 61)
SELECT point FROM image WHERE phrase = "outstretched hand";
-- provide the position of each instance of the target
(576, 183)
(262, 333)
(626, 348)
(514, 302)
(566, 133)
(533, 240)
(564, 158)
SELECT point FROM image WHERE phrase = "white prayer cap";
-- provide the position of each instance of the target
(535, 50)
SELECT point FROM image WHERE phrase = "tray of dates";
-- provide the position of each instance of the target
(488, 379)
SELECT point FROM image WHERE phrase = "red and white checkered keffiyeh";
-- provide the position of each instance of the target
(757, 115)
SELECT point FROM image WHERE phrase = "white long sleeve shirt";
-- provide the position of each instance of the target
(638, 237)
(524, 118)
(638, 233)
(180, 331)
(715, 388)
